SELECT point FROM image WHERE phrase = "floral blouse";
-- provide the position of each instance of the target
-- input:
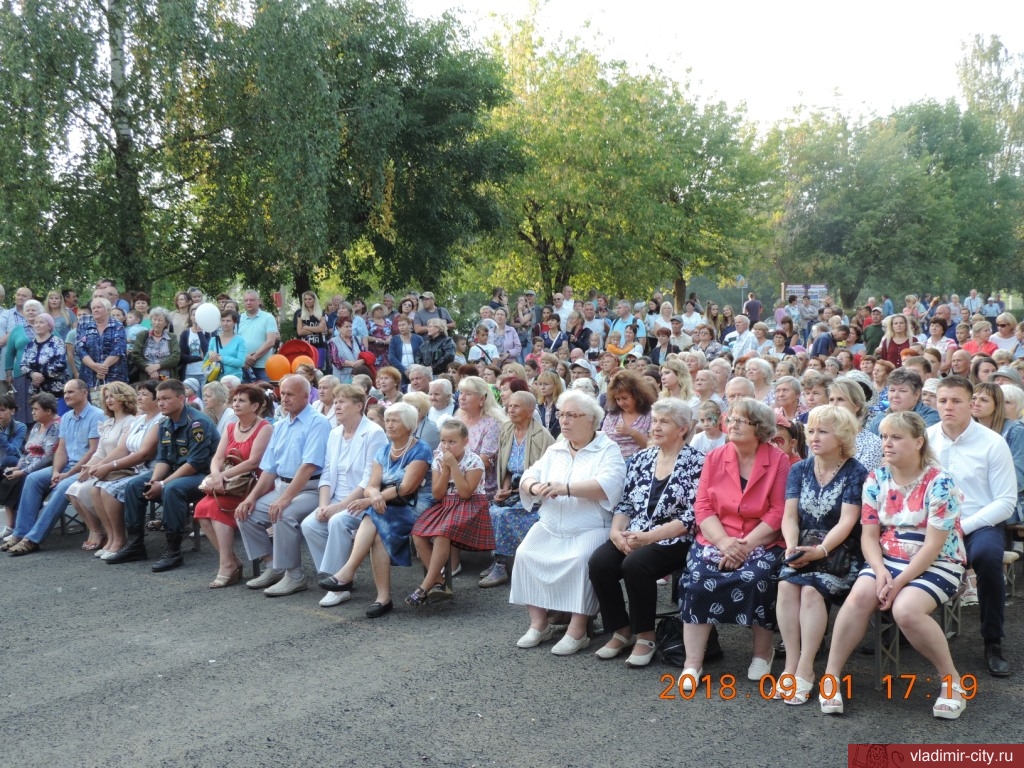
(675, 500)
(932, 501)
(99, 346)
(51, 360)
(40, 447)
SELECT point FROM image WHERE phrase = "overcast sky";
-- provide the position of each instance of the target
(776, 55)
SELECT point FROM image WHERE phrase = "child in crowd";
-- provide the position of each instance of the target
(614, 343)
(709, 416)
(134, 325)
(460, 518)
(595, 350)
(461, 345)
(537, 353)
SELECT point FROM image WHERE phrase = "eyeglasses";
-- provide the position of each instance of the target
(569, 416)
(1002, 325)
(737, 421)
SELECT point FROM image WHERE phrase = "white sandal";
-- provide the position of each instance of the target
(829, 706)
(956, 706)
(802, 692)
(637, 660)
(604, 653)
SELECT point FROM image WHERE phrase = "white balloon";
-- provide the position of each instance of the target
(208, 317)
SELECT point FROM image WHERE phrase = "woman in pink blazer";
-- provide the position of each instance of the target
(732, 570)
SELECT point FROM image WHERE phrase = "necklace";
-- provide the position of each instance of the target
(243, 430)
(818, 473)
(399, 454)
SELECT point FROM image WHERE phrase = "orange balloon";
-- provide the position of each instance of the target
(278, 367)
(302, 360)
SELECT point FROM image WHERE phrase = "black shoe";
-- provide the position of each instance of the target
(168, 561)
(127, 554)
(376, 610)
(331, 584)
(172, 557)
(997, 665)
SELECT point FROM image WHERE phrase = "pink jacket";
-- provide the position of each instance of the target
(740, 511)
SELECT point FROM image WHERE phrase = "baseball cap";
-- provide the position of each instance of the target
(585, 365)
(427, 295)
(529, 292)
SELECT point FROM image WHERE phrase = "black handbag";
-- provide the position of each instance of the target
(837, 562)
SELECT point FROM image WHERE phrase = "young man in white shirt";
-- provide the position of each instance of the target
(982, 468)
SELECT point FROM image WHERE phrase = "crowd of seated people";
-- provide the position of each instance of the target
(775, 466)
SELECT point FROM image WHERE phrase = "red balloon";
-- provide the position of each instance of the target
(302, 360)
(278, 367)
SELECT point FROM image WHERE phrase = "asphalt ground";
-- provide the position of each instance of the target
(117, 666)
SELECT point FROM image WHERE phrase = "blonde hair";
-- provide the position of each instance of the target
(124, 394)
(683, 375)
(842, 422)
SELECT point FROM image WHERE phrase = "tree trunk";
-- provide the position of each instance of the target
(130, 261)
(679, 293)
(849, 300)
(302, 281)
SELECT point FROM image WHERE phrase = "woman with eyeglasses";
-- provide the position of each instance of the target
(578, 482)
(732, 569)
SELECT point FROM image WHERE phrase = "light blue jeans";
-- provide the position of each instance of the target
(34, 520)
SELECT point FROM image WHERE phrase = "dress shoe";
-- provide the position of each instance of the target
(376, 610)
(535, 637)
(126, 554)
(335, 598)
(331, 584)
(997, 665)
(268, 578)
(690, 678)
(569, 645)
(286, 586)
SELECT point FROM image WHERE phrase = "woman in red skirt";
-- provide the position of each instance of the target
(244, 441)
(461, 517)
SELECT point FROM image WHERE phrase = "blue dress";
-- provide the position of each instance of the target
(819, 510)
(512, 523)
(395, 524)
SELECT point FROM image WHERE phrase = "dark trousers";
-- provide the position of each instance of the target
(985, 556)
(176, 497)
(640, 569)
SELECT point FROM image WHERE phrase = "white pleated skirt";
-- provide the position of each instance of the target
(551, 571)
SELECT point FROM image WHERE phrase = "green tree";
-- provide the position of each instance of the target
(861, 208)
(631, 183)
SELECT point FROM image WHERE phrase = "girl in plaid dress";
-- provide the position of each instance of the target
(460, 518)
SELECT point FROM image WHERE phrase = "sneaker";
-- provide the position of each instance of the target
(335, 598)
(497, 575)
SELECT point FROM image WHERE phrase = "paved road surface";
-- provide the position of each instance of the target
(117, 666)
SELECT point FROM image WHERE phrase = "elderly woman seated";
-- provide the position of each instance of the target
(578, 483)
(651, 532)
(521, 444)
(732, 571)
(398, 491)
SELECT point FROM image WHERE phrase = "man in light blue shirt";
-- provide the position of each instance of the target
(79, 436)
(259, 330)
(286, 492)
